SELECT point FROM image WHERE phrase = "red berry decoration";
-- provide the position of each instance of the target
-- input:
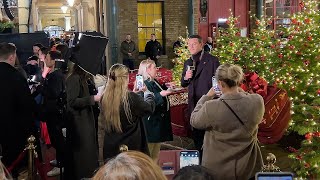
(280, 56)
(318, 92)
(291, 47)
(308, 136)
(317, 134)
(272, 46)
(309, 38)
(236, 21)
(307, 21)
(269, 22)
(294, 21)
(306, 62)
(231, 44)
(257, 22)
(299, 157)
(306, 165)
(290, 37)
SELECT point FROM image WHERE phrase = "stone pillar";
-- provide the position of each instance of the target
(89, 15)
(23, 12)
(67, 21)
(79, 17)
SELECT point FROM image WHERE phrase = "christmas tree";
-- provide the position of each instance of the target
(289, 59)
(300, 77)
(183, 55)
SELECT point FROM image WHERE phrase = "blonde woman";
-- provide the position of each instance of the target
(230, 149)
(158, 125)
(131, 165)
(120, 119)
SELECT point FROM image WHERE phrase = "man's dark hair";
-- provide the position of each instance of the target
(6, 49)
(153, 34)
(196, 36)
(44, 50)
(193, 173)
(38, 45)
(55, 55)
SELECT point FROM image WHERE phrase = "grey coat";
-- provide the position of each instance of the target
(81, 132)
(230, 150)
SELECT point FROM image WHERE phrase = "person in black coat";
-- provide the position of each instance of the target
(17, 106)
(54, 106)
(81, 130)
(120, 119)
(197, 76)
(153, 49)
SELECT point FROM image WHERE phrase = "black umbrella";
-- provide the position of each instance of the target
(88, 53)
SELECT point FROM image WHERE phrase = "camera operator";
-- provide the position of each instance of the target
(53, 107)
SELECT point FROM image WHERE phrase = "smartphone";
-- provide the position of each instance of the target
(192, 68)
(139, 81)
(189, 158)
(215, 85)
(274, 176)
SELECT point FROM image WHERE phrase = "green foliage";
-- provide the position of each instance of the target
(5, 23)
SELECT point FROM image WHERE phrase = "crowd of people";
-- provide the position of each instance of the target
(90, 130)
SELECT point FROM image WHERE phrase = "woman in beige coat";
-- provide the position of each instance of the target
(230, 148)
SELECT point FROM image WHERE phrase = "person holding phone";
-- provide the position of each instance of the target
(158, 125)
(230, 148)
(121, 112)
(196, 75)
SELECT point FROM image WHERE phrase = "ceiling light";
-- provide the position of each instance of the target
(70, 2)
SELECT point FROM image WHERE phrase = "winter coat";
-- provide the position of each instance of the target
(230, 149)
(158, 125)
(81, 131)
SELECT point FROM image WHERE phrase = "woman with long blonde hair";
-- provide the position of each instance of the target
(158, 125)
(120, 119)
(131, 165)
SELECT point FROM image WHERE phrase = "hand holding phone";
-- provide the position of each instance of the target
(215, 85)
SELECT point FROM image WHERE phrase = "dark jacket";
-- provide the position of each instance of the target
(153, 49)
(201, 82)
(81, 132)
(53, 93)
(158, 125)
(208, 47)
(16, 113)
(133, 135)
(128, 48)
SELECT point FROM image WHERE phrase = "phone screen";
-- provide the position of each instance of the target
(274, 176)
(215, 85)
(139, 81)
(189, 158)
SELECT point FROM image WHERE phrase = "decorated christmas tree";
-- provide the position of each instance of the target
(183, 54)
(300, 77)
(289, 59)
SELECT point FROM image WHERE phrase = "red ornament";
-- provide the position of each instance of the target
(272, 46)
(231, 44)
(299, 53)
(306, 62)
(306, 165)
(307, 21)
(317, 134)
(308, 136)
(236, 21)
(294, 21)
(301, 4)
(318, 92)
(257, 22)
(290, 37)
(309, 38)
(297, 28)
(291, 47)
(236, 59)
(299, 157)
(280, 56)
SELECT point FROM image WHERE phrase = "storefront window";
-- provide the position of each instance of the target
(280, 10)
(149, 21)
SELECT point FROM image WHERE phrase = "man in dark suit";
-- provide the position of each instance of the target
(153, 49)
(197, 76)
(16, 106)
